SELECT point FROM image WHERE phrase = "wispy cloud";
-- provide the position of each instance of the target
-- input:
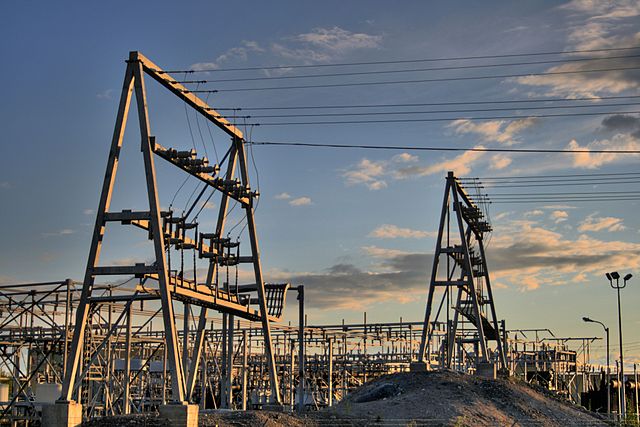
(461, 164)
(316, 46)
(559, 216)
(594, 25)
(301, 201)
(619, 142)
(606, 223)
(390, 231)
(367, 172)
(63, 232)
(106, 94)
(502, 131)
(282, 196)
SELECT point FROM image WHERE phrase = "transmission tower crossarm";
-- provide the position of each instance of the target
(186, 95)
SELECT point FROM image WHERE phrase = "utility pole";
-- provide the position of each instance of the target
(611, 277)
(606, 330)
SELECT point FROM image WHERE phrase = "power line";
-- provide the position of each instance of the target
(550, 176)
(576, 179)
(622, 199)
(429, 104)
(568, 183)
(446, 119)
(402, 61)
(417, 148)
(590, 193)
(410, 70)
(389, 82)
(386, 113)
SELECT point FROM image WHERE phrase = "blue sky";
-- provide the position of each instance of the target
(355, 226)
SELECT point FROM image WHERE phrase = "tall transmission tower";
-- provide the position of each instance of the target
(464, 276)
(157, 280)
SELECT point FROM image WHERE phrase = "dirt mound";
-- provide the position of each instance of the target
(142, 420)
(410, 399)
(450, 398)
(249, 419)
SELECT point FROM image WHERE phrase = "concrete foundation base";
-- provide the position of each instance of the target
(487, 370)
(418, 367)
(62, 414)
(182, 415)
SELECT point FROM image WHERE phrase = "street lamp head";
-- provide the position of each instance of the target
(615, 275)
(608, 276)
(586, 319)
(628, 276)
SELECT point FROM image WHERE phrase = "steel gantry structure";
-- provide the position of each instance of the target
(167, 232)
(460, 239)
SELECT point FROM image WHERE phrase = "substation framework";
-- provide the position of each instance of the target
(118, 348)
(132, 373)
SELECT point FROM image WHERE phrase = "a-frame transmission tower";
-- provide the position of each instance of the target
(464, 277)
(255, 302)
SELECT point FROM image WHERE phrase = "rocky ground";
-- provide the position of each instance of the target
(411, 399)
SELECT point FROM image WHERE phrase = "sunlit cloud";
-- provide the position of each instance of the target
(501, 131)
(559, 216)
(301, 201)
(607, 223)
(390, 231)
(619, 142)
(368, 173)
(461, 164)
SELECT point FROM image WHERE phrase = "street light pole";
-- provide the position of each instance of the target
(611, 277)
(606, 330)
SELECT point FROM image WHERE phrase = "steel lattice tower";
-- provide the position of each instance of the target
(167, 231)
(460, 242)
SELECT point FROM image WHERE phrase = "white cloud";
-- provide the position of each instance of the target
(389, 231)
(282, 196)
(404, 158)
(535, 212)
(607, 223)
(594, 24)
(63, 232)
(367, 172)
(88, 211)
(619, 142)
(235, 54)
(500, 161)
(316, 46)
(339, 40)
(460, 164)
(106, 94)
(385, 253)
(559, 216)
(300, 201)
(5, 185)
(501, 131)
(527, 255)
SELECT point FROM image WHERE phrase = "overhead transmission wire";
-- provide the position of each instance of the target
(386, 113)
(429, 104)
(431, 148)
(394, 82)
(484, 179)
(401, 61)
(533, 181)
(410, 70)
(447, 119)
